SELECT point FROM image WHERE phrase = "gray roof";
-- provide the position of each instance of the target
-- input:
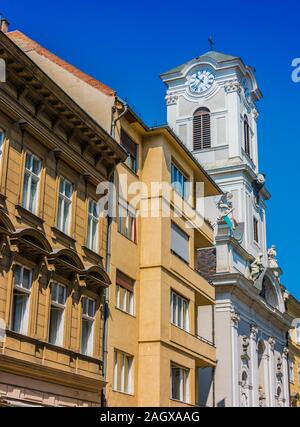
(216, 56)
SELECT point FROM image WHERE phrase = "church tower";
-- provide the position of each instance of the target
(212, 107)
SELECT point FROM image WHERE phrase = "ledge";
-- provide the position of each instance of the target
(29, 217)
(64, 238)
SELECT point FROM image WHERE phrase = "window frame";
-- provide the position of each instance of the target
(89, 351)
(32, 177)
(130, 221)
(119, 373)
(187, 240)
(202, 129)
(291, 371)
(65, 200)
(24, 323)
(129, 145)
(255, 230)
(2, 142)
(59, 306)
(180, 186)
(184, 386)
(92, 220)
(179, 314)
(247, 136)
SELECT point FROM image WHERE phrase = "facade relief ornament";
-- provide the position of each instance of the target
(256, 268)
(171, 99)
(285, 352)
(245, 345)
(235, 317)
(261, 396)
(233, 86)
(271, 342)
(253, 331)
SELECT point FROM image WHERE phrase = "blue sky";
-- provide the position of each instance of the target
(128, 44)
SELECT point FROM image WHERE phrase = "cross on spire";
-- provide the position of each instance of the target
(211, 42)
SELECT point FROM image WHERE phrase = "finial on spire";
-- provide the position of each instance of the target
(211, 42)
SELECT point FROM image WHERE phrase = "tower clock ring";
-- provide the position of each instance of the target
(200, 81)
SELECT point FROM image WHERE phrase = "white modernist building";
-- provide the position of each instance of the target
(211, 105)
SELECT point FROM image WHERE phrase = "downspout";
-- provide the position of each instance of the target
(108, 256)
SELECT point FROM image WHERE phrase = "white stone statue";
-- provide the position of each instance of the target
(257, 267)
(272, 261)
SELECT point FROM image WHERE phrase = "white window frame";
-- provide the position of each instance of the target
(129, 360)
(26, 293)
(32, 177)
(127, 305)
(93, 226)
(257, 242)
(291, 371)
(64, 202)
(179, 314)
(56, 305)
(297, 329)
(184, 391)
(91, 319)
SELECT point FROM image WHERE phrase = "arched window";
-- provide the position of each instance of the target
(201, 128)
(247, 135)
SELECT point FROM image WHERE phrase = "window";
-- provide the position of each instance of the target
(93, 221)
(57, 310)
(255, 230)
(299, 374)
(123, 372)
(64, 205)
(179, 243)
(33, 167)
(201, 129)
(179, 311)
(87, 326)
(21, 299)
(179, 383)
(127, 221)
(124, 292)
(298, 333)
(131, 148)
(179, 182)
(2, 137)
(247, 136)
(291, 367)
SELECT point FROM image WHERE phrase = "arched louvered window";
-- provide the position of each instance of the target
(247, 136)
(201, 129)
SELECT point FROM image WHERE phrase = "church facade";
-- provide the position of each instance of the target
(211, 104)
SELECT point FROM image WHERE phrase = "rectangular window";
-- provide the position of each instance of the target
(87, 325)
(64, 205)
(179, 311)
(255, 230)
(179, 182)
(33, 167)
(291, 368)
(179, 243)
(132, 149)
(21, 299)
(123, 372)
(179, 383)
(127, 221)
(125, 292)
(2, 138)
(57, 311)
(93, 222)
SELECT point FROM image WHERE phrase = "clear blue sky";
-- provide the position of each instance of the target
(128, 44)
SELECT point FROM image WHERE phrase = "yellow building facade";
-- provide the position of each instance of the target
(159, 321)
(293, 307)
(52, 252)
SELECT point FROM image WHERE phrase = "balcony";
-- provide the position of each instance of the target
(200, 348)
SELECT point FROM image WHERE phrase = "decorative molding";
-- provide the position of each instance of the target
(235, 317)
(272, 343)
(285, 352)
(171, 99)
(253, 331)
(233, 86)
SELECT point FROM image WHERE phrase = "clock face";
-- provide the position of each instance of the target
(201, 81)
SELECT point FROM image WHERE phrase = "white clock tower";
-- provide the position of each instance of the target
(211, 105)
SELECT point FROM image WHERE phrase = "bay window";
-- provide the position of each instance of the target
(32, 172)
(57, 311)
(179, 311)
(22, 282)
(93, 222)
(64, 205)
(87, 325)
(123, 372)
(179, 383)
